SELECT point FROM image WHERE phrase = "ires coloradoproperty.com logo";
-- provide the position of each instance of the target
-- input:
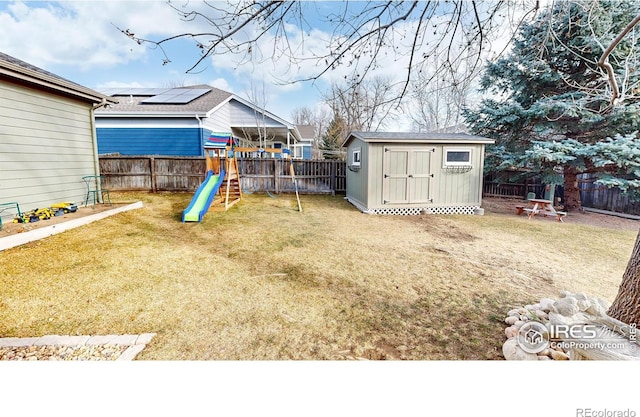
(534, 337)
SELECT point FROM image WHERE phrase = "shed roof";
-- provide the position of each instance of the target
(413, 137)
(25, 73)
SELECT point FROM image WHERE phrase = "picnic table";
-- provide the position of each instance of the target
(542, 207)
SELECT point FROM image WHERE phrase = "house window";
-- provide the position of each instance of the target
(355, 157)
(457, 157)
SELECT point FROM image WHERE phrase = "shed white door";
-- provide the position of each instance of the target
(406, 175)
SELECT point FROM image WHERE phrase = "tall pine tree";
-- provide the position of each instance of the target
(551, 109)
(333, 138)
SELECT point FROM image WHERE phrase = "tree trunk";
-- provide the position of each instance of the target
(626, 306)
(571, 190)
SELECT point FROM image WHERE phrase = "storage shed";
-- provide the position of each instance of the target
(414, 173)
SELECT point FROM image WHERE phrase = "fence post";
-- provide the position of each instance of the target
(276, 175)
(334, 174)
(152, 172)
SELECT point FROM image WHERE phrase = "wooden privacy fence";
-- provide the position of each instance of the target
(601, 197)
(502, 186)
(325, 177)
(591, 194)
(169, 173)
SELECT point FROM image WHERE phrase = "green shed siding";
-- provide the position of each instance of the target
(46, 146)
(374, 189)
(406, 175)
(456, 188)
(357, 178)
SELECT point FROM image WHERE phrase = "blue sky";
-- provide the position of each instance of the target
(80, 41)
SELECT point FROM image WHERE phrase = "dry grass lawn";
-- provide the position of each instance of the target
(263, 281)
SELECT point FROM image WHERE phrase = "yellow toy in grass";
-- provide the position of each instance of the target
(67, 206)
(35, 215)
(46, 213)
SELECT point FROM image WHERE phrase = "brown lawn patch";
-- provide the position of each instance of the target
(263, 281)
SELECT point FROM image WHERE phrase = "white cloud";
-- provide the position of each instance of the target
(80, 37)
(221, 83)
(84, 33)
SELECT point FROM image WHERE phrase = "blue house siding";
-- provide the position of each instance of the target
(306, 152)
(151, 141)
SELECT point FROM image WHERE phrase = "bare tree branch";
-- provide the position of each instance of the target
(363, 36)
(604, 60)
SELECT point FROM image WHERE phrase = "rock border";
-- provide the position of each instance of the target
(575, 326)
(135, 342)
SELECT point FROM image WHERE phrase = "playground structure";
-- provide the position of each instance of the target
(221, 188)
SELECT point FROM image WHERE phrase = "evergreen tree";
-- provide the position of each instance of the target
(333, 139)
(551, 109)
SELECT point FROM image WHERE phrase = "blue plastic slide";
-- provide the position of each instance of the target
(203, 197)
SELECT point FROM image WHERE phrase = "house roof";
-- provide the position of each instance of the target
(412, 137)
(24, 73)
(307, 131)
(204, 100)
(130, 102)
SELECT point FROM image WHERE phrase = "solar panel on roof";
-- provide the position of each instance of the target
(176, 96)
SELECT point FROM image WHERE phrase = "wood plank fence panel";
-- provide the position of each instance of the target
(502, 185)
(177, 174)
(126, 173)
(600, 197)
(592, 195)
(160, 173)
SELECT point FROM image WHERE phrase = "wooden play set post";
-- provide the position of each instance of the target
(232, 190)
(295, 184)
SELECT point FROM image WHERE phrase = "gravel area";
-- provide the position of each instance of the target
(62, 353)
(74, 348)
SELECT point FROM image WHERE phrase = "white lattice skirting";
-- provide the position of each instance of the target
(415, 211)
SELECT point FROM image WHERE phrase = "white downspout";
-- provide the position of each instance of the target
(201, 137)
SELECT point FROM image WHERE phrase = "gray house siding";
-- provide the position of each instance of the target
(219, 120)
(46, 146)
(244, 116)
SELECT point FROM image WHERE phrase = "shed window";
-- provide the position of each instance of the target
(355, 157)
(457, 157)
